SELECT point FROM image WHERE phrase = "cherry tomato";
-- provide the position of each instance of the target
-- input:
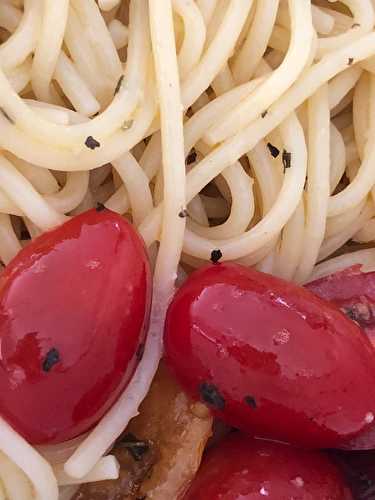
(74, 306)
(271, 358)
(352, 291)
(241, 468)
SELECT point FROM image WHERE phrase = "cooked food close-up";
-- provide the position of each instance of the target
(187, 249)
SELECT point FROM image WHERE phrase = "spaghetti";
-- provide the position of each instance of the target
(232, 125)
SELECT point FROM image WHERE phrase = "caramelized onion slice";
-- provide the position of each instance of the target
(169, 437)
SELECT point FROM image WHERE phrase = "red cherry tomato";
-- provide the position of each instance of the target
(74, 306)
(241, 468)
(271, 358)
(352, 291)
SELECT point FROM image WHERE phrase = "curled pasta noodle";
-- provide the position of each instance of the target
(207, 8)
(16, 484)
(285, 261)
(233, 148)
(19, 46)
(42, 179)
(331, 244)
(137, 186)
(119, 201)
(337, 157)
(128, 96)
(119, 33)
(30, 462)
(240, 125)
(99, 37)
(105, 469)
(194, 35)
(318, 182)
(256, 41)
(359, 187)
(217, 52)
(19, 76)
(285, 75)
(9, 245)
(74, 87)
(360, 113)
(197, 212)
(342, 84)
(242, 209)
(362, 22)
(22, 193)
(71, 195)
(266, 175)
(338, 223)
(48, 48)
(280, 213)
(7, 206)
(10, 17)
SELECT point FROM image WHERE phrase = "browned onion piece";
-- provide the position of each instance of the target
(161, 449)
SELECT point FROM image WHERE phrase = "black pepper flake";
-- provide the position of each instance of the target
(356, 25)
(136, 447)
(99, 207)
(264, 114)
(210, 394)
(216, 255)
(287, 159)
(192, 156)
(92, 143)
(119, 83)
(140, 352)
(350, 61)
(53, 357)
(273, 150)
(6, 116)
(250, 401)
(184, 213)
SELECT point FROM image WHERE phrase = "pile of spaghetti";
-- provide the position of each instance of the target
(244, 127)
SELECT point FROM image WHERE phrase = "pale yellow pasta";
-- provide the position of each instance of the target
(284, 75)
(241, 125)
(9, 245)
(71, 194)
(48, 48)
(291, 247)
(19, 46)
(256, 41)
(318, 182)
(194, 35)
(136, 183)
(10, 17)
(74, 86)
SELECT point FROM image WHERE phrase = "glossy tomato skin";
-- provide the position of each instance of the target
(74, 307)
(241, 468)
(353, 292)
(270, 358)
